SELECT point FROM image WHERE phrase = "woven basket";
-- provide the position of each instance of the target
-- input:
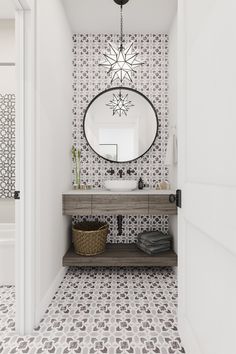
(89, 238)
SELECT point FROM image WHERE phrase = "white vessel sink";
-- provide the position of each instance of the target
(121, 185)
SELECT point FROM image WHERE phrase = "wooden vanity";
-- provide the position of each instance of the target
(100, 202)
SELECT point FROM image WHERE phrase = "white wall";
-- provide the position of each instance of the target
(173, 115)
(54, 115)
(7, 206)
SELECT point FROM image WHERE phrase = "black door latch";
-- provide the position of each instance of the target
(176, 198)
(17, 195)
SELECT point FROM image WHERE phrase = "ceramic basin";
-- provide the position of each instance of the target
(121, 185)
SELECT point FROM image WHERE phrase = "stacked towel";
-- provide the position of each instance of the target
(154, 242)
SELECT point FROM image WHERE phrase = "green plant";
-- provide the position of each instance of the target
(76, 160)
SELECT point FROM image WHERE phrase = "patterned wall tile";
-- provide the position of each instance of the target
(131, 225)
(152, 80)
(7, 145)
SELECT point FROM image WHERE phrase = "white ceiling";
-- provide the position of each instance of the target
(102, 16)
(6, 9)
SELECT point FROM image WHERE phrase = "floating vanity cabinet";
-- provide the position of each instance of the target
(77, 204)
(99, 202)
(108, 203)
(160, 205)
(119, 204)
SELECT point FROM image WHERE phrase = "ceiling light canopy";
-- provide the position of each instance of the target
(121, 61)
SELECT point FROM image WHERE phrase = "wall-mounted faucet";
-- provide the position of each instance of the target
(111, 171)
(121, 173)
(129, 171)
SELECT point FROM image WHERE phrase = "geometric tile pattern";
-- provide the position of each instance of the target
(151, 79)
(107, 310)
(131, 226)
(7, 145)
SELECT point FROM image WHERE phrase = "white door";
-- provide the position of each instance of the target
(207, 176)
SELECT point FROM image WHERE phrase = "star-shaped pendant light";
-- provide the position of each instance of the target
(120, 104)
(121, 61)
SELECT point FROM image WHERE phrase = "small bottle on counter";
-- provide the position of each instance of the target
(140, 183)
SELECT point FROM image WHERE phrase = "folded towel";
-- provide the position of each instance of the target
(156, 242)
(150, 233)
(153, 236)
(153, 252)
(153, 246)
(147, 243)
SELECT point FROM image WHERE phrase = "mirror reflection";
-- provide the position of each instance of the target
(120, 124)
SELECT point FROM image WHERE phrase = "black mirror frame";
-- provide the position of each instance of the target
(129, 89)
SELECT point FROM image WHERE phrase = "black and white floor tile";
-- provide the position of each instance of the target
(7, 309)
(102, 310)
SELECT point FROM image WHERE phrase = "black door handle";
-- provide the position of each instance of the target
(176, 198)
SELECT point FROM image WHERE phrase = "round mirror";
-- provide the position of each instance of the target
(120, 124)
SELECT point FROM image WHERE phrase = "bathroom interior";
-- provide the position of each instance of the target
(106, 147)
(117, 299)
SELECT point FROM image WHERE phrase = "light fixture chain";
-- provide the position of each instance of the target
(121, 60)
(121, 26)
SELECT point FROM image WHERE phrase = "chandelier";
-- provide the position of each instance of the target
(120, 104)
(121, 61)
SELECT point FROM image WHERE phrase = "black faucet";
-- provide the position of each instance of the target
(129, 171)
(111, 171)
(121, 173)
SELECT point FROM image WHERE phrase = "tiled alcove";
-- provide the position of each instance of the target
(152, 80)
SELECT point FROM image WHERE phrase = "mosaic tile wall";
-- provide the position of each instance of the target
(7, 145)
(152, 80)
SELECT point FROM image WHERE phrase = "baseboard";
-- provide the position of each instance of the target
(49, 295)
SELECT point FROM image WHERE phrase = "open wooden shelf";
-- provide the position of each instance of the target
(121, 254)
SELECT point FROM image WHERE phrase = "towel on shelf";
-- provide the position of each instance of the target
(154, 242)
(154, 239)
(172, 148)
(153, 236)
(153, 250)
(150, 233)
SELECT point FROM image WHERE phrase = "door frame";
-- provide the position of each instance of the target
(25, 208)
(26, 177)
(183, 326)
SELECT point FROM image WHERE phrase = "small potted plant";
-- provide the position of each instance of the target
(76, 160)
